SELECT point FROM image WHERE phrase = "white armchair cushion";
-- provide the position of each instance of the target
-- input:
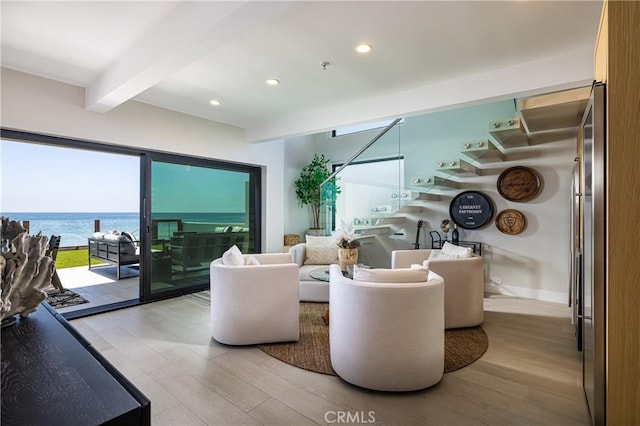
(452, 249)
(387, 337)
(313, 240)
(464, 284)
(421, 267)
(233, 256)
(403, 275)
(251, 260)
(321, 255)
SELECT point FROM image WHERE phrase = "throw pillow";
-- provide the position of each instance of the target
(111, 236)
(321, 255)
(422, 267)
(460, 252)
(98, 235)
(321, 241)
(127, 246)
(438, 255)
(400, 275)
(251, 260)
(233, 256)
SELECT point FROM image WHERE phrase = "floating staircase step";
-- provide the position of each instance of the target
(381, 210)
(393, 220)
(401, 196)
(457, 166)
(427, 196)
(411, 209)
(374, 230)
(443, 183)
(434, 182)
(554, 111)
(422, 182)
(509, 134)
(482, 151)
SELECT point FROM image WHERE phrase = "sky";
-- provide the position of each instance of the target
(41, 178)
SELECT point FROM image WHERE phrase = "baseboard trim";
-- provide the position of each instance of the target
(527, 293)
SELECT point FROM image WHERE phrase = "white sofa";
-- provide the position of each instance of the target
(252, 304)
(387, 336)
(463, 284)
(311, 289)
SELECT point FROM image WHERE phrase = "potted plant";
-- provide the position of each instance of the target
(347, 241)
(308, 188)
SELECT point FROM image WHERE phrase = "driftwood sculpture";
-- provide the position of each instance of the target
(25, 270)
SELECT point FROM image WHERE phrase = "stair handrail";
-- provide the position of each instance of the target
(361, 150)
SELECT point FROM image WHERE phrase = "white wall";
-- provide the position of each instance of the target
(532, 264)
(39, 105)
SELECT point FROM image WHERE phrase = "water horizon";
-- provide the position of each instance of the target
(76, 227)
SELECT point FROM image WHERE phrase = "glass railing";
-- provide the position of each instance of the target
(412, 168)
(385, 176)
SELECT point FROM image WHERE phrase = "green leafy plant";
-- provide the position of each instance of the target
(308, 188)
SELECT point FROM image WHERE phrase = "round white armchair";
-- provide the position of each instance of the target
(387, 336)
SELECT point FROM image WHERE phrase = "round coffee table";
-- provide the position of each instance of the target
(320, 274)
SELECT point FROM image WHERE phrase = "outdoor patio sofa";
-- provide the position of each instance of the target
(118, 249)
(191, 250)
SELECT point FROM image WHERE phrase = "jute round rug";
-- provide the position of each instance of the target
(462, 346)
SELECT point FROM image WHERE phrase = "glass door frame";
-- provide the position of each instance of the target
(146, 156)
(255, 201)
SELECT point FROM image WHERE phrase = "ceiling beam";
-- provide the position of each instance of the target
(191, 31)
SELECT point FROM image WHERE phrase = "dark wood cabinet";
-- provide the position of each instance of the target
(51, 375)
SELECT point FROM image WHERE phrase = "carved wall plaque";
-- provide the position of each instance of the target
(519, 184)
(471, 210)
(510, 222)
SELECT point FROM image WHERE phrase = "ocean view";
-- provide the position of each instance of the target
(75, 228)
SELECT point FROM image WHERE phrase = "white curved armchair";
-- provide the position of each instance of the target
(463, 285)
(387, 336)
(253, 304)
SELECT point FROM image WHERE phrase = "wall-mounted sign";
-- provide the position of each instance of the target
(510, 222)
(471, 210)
(519, 184)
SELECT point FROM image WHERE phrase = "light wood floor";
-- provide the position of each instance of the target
(99, 285)
(530, 374)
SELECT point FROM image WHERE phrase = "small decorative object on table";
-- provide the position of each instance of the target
(445, 225)
(348, 244)
(455, 235)
(25, 271)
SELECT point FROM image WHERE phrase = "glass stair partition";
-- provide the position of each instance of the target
(374, 193)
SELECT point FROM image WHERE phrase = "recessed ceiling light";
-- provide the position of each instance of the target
(272, 81)
(214, 102)
(364, 48)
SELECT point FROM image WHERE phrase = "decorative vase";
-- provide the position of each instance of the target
(347, 257)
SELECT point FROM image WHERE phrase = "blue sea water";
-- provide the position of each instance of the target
(75, 228)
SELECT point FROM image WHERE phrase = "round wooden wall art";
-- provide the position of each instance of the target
(510, 222)
(471, 210)
(519, 184)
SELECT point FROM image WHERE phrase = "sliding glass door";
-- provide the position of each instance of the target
(195, 210)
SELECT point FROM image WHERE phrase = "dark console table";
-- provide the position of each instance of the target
(51, 375)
